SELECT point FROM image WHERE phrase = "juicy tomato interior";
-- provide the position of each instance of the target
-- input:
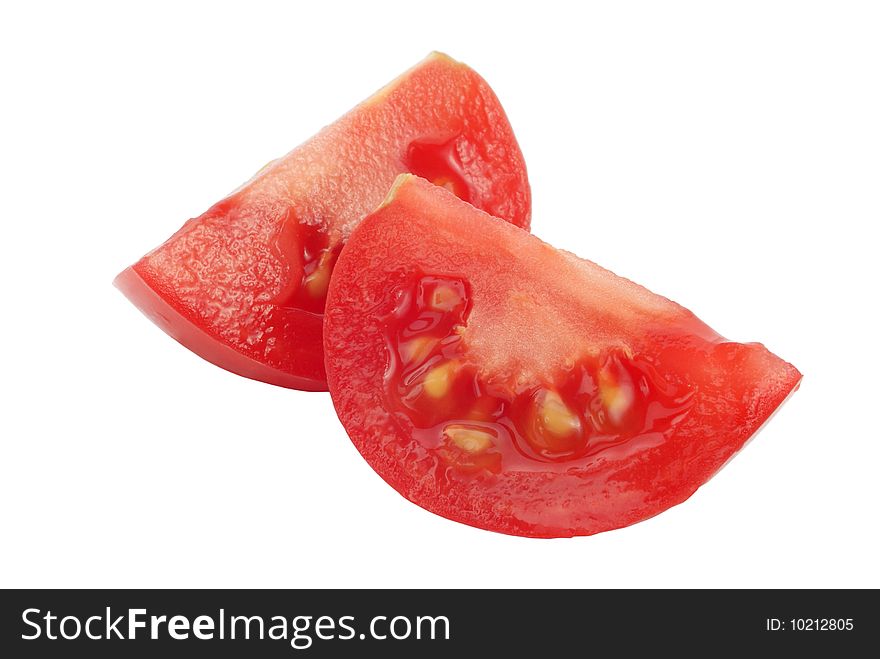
(439, 162)
(475, 426)
(311, 246)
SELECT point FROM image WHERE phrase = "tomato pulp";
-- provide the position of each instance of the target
(244, 284)
(499, 382)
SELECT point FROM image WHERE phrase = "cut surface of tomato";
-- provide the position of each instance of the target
(500, 382)
(244, 284)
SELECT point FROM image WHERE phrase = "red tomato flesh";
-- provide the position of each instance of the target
(499, 382)
(244, 284)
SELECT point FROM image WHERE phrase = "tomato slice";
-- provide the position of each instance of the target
(244, 284)
(500, 382)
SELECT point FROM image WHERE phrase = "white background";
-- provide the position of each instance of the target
(726, 155)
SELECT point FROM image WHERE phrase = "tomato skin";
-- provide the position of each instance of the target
(529, 308)
(251, 273)
(177, 325)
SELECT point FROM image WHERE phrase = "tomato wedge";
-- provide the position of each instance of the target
(244, 284)
(500, 382)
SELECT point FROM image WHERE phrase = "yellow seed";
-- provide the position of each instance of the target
(617, 402)
(615, 397)
(317, 281)
(417, 349)
(469, 439)
(445, 298)
(438, 380)
(555, 416)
